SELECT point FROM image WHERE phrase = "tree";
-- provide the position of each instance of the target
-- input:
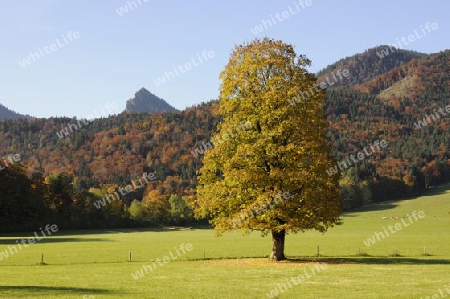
(137, 210)
(267, 171)
(431, 173)
(60, 192)
(16, 204)
(179, 209)
(157, 205)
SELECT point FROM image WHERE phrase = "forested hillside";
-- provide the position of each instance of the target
(366, 66)
(64, 176)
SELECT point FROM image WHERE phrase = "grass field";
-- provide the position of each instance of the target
(94, 264)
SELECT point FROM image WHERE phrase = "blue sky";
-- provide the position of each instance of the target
(116, 55)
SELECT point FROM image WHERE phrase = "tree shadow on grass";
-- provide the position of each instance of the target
(51, 240)
(47, 290)
(387, 205)
(379, 206)
(163, 229)
(371, 260)
(436, 190)
(81, 232)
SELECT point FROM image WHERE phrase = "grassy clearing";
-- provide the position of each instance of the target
(93, 264)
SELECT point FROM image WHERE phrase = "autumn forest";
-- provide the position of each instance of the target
(66, 178)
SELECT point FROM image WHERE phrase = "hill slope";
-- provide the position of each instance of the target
(366, 66)
(6, 113)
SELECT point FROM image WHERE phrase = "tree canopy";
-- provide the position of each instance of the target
(271, 176)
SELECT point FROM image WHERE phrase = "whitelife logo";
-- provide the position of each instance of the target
(4, 254)
(127, 189)
(360, 155)
(296, 280)
(220, 139)
(398, 226)
(438, 295)
(259, 209)
(187, 67)
(165, 260)
(73, 126)
(124, 9)
(322, 85)
(266, 24)
(11, 159)
(33, 57)
(411, 38)
(434, 117)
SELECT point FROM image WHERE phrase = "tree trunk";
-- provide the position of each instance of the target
(278, 245)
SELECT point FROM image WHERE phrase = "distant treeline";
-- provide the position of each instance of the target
(29, 202)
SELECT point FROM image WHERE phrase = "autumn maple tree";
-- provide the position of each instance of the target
(271, 176)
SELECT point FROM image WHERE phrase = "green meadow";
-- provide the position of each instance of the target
(413, 262)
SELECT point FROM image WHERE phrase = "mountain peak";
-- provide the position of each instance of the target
(145, 101)
(143, 91)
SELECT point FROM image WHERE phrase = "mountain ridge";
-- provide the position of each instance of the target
(368, 65)
(6, 113)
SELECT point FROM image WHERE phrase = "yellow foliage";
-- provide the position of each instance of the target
(284, 150)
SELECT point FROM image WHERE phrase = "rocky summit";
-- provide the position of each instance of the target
(145, 101)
